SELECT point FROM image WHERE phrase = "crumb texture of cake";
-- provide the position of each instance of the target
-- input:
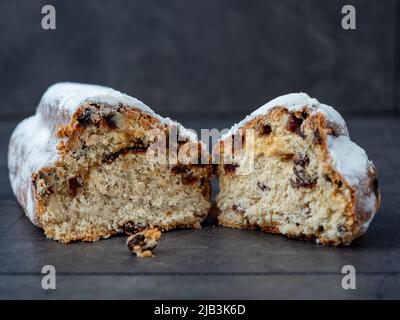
(307, 180)
(143, 243)
(80, 168)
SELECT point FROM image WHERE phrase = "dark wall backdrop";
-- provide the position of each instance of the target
(186, 58)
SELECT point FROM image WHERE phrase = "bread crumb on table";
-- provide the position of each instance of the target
(143, 243)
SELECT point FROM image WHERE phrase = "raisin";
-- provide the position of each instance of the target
(178, 169)
(286, 157)
(139, 148)
(294, 124)
(320, 229)
(73, 185)
(266, 129)
(189, 179)
(84, 119)
(301, 160)
(143, 243)
(263, 187)
(302, 179)
(109, 122)
(230, 168)
(136, 240)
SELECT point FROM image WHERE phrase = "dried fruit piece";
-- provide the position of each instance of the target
(84, 119)
(301, 160)
(139, 147)
(294, 124)
(109, 121)
(143, 243)
(229, 168)
(74, 184)
(189, 179)
(178, 169)
(266, 129)
(302, 178)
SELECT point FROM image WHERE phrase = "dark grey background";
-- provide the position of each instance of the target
(208, 63)
(211, 57)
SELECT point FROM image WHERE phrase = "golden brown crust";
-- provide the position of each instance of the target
(105, 233)
(273, 229)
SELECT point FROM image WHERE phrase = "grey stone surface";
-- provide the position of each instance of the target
(192, 56)
(290, 286)
(214, 262)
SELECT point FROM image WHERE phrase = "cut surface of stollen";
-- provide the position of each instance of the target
(80, 168)
(307, 179)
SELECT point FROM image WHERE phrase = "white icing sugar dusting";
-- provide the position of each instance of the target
(294, 102)
(25, 158)
(70, 96)
(369, 204)
(349, 159)
(353, 164)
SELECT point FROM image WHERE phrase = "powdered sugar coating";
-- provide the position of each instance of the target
(353, 164)
(60, 100)
(69, 96)
(294, 102)
(24, 159)
(349, 159)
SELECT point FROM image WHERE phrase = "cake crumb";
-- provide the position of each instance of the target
(143, 243)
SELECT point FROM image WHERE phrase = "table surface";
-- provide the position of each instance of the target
(214, 262)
